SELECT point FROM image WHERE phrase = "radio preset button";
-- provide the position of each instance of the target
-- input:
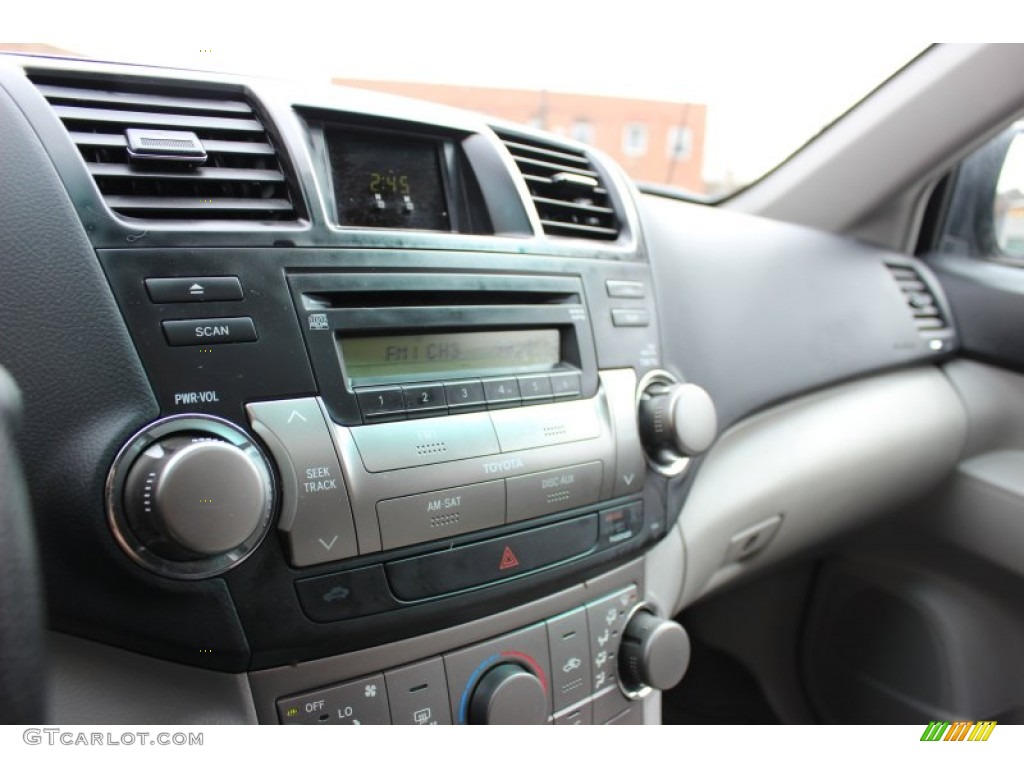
(441, 514)
(465, 395)
(566, 384)
(536, 387)
(543, 493)
(403, 444)
(546, 425)
(424, 397)
(380, 402)
(450, 570)
(501, 393)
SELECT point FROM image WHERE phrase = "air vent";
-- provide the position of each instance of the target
(217, 163)
(920, 297)
(570, 196)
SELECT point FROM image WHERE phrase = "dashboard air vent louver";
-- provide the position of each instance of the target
(168, 154)
(569, 194)
(920, 298)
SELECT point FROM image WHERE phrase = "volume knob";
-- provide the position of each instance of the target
(192, 502)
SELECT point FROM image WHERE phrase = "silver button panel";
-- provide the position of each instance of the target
(403, 483)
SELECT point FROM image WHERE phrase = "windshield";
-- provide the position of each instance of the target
(676, 96)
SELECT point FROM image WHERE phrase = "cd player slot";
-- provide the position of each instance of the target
(399, 289)
(446, 298)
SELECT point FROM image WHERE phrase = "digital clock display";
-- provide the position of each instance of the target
(385, 181)
(437, 354)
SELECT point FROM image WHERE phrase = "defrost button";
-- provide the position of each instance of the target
(418, 694)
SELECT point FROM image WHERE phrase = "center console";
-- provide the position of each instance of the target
(391, 453)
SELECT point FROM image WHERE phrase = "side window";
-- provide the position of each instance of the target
(985, 214)
(1008, 209)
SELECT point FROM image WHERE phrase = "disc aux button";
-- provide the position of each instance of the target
(542, 493)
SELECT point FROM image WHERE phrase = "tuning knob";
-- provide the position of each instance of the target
(508, 694)
(654, 653)
(190, 497)
(677, 421)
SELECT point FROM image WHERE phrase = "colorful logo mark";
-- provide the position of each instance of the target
(960, 731)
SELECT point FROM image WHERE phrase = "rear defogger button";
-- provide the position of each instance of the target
(316, 518)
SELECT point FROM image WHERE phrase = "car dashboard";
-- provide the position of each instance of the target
(342, 408)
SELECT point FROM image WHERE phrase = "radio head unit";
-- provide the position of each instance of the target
(393, 346)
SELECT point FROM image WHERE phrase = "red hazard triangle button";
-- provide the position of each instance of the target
(508, 559)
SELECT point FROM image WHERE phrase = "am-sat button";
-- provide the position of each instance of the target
(207, 331)
(441, 514)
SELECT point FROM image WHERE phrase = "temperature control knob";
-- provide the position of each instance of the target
(508, 694)
(190, 502)
(654, 653)
(677, 421)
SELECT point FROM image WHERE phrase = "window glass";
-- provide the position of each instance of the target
(1009, 201)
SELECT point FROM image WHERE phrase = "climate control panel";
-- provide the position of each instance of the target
(579, 667)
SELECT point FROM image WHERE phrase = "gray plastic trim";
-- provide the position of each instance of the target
(826, 462)
(981, 510)
(97, 684)
(994, 400)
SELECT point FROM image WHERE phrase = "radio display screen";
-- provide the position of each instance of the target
(385, 181)
(440, 354)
